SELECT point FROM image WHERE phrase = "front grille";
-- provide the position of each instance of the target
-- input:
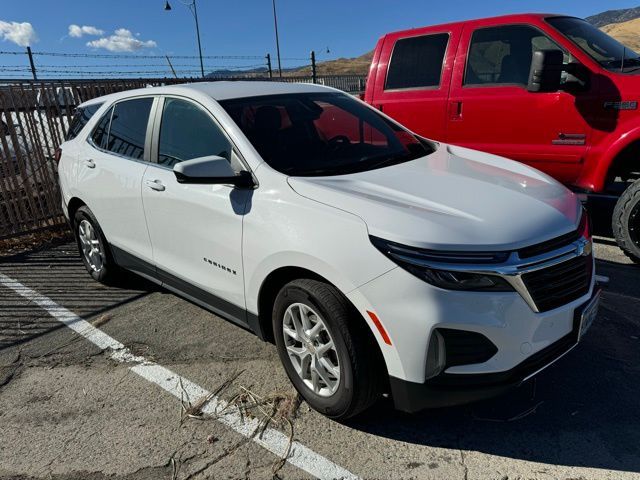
(549, 245)
(555, 286)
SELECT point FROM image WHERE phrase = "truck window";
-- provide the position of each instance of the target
(502, 55)
(416, 62)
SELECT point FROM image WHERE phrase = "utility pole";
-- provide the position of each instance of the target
(33, 66)
(191, 5)
(275, 22)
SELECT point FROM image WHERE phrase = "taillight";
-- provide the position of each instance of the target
(57, 155)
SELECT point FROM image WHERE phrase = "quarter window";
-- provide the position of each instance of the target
(129, 127)
(80, 118)
(416, 62)
(99, 135)
(187, 132)
(502, 55)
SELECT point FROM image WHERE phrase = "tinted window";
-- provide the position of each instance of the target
(80, 119)
(313, 134)
(502, 55)
(99, 135)
(607, 51)
(417, 62)
(187, 132)
(129, 127)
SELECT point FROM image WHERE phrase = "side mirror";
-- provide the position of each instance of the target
(211, 170)
(546, 71)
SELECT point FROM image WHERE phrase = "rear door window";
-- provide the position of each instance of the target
(128, 128)
(416, 62)
(80, 119)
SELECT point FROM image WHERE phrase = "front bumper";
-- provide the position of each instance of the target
(448, 389)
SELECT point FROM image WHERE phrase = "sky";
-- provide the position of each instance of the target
(346, 28)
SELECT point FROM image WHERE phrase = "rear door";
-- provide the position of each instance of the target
(491, 110)
(112, 164)
(412, 83)
(196, 230)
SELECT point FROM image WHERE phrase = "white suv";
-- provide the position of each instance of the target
(376, 260)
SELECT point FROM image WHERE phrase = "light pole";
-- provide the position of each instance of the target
(191, 5)
(275, 22)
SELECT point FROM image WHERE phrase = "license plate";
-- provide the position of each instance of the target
(589, 314)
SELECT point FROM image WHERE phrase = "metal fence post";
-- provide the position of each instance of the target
(269, 66)
(33, 66)
(314, 76)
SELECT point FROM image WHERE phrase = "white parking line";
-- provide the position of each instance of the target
(272, 440)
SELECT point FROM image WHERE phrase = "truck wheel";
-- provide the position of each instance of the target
(626, 222)
(93, 247)
(324, 349)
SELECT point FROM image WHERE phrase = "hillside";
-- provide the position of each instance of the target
(627, 33)
(614, 16)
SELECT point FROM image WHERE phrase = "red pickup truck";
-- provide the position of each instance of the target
(548, 90)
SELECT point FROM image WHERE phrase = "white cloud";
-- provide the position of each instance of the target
(121, 41)
(21, 34)
(78, 31)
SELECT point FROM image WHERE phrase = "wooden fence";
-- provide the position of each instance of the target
(34, 117)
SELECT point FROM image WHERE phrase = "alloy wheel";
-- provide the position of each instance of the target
(91, 246)
(311, 349)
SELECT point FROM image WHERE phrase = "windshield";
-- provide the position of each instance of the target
(605, 50)
(325, 133)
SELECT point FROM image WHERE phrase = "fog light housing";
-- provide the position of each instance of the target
(436, 355)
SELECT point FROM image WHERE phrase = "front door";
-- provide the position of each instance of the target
(491, 110)
(196, 230)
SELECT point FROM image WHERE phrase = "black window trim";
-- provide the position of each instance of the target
(498, 85)
(155, 134)
(442, 67)
(111, 107)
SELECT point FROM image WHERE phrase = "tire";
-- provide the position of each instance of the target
(626, 222)
(84, 225)
(356, 353)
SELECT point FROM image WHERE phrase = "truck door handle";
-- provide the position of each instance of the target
(89, 163)
(155, 185)
(455, 110)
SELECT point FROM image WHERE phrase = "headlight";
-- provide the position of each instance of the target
(427, 266)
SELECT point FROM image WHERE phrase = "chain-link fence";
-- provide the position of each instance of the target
(34, 117)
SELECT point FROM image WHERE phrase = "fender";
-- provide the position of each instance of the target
(594, 175)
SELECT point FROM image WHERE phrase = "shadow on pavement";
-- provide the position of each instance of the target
(582, 411)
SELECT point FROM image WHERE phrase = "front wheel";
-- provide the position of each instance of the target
(327, 354)
(626, 222)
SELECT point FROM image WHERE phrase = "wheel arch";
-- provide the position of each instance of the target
(74, 204)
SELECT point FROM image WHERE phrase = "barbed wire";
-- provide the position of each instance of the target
(141, 56)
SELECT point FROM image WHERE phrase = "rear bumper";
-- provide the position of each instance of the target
(448, 389)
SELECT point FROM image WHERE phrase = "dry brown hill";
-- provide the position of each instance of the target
(627, 33)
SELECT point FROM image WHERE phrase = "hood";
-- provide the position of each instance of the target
(453, 199)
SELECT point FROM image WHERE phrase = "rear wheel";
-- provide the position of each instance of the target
(325, 350)
(93, 246)
(626, 221)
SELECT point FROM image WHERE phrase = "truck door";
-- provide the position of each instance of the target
(491, 110)
(413, 78)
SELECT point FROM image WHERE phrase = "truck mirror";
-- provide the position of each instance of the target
(546, 71)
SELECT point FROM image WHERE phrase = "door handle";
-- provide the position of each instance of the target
(155, 185)
(455, 110)
(89, 163)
